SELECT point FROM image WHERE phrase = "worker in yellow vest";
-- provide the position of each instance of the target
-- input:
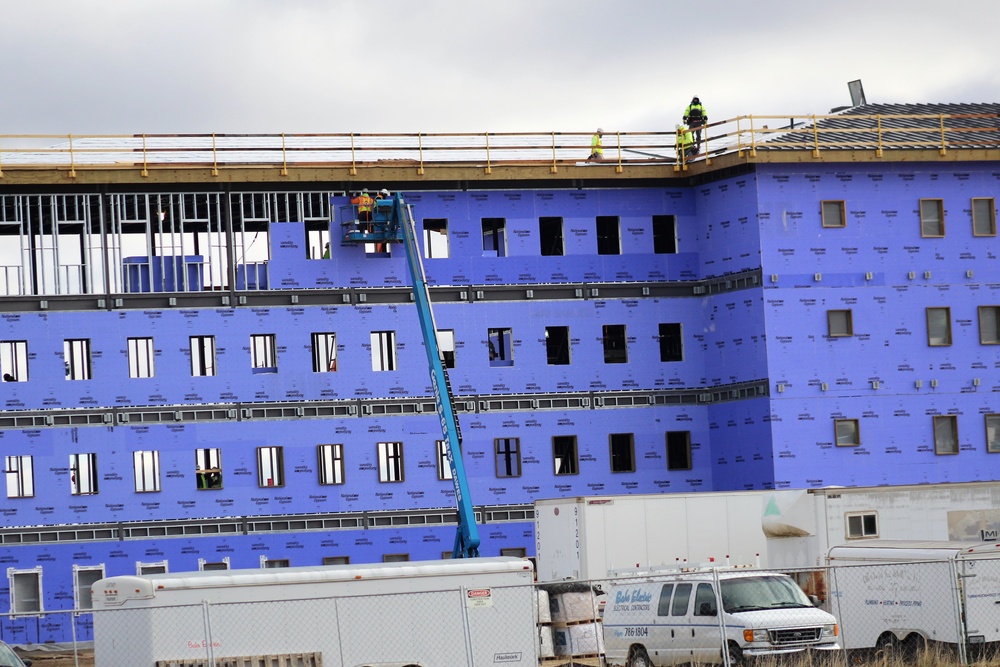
(596, 150)
(363, 204)
(695, 117)
(685, 142)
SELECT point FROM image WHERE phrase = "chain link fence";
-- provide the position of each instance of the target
(928, 613)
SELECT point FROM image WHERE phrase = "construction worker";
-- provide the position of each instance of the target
(695, 117)
(596, 150)
(364, 204)
(685, 143)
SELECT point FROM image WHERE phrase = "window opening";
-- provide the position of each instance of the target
(14, 360)
(25, 590)
(436, 238)
(390, 462)
(932, 218)
(678, 450)
(383, 350)
(83, 474)
(609, 240)
(208, 468)
(202, 356)
(443, 468)
(324, 352)
(984, 216)
(671, 343)
(946, 434)
(263, 353)
(664, 234)
(557, 345)
(508, 456)
(146, 464)
(85, 577)
(833, 214)
(140, 358)
(989, 325)
(76, 354)
(331, 464)
(270, 467)
(500, 343)
(494, 237)
(839, 323)
(939, 326)
(622, 452)
(862, 524)
(551, 236)
(847, 432)
(446, 344)
(615, 351)
(564, 455)
(20, 477)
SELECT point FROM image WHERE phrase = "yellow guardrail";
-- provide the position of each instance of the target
(745, 135)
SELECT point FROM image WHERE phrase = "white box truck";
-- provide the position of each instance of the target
(676, 619)
(450, 612)
(906, 595)
(593, 537)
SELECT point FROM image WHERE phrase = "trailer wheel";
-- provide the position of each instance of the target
(887, 645)
(637, 657)
(912, 647)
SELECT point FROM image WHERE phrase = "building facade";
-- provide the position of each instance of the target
(192, 383)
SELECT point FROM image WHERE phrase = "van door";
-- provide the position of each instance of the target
(660, 640)
(707, 639)
(681, 630)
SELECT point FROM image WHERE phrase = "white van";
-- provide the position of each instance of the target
(674, 619)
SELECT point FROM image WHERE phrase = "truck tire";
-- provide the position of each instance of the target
(912, 647)
(638, 657)
(735, 655)
(887, 645)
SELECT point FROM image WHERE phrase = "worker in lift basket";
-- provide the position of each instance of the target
(364, 203)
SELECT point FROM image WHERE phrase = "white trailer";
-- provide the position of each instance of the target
(907, 595)
(594, 537)
(451, 612)
(802, 525)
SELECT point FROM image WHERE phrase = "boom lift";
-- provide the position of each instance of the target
(392, 222)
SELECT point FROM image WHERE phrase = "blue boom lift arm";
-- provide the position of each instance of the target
(392, 222)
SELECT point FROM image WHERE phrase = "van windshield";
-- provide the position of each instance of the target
(755, 593)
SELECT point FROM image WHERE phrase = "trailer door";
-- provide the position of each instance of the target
(981, 600)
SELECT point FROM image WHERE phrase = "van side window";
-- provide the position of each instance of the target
(704, 601)
(664, 608)
(681, 598)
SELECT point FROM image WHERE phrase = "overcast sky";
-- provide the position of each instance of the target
(367, 66)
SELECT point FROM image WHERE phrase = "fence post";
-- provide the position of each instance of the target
(207, 624)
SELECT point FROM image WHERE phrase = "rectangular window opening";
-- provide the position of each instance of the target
(671, 343)
(84, 578)
(83, 474)
(862, 525)
(390, 462)
(847, 432)
(443, 467)
(146, 464)
(609, 240)
(331, 464)
(76, 355)
(20, 477)
(263, 353)
(615, 350)
(202, 356)
(446, 346)
(946, 434)
(208, 468)
(939, 327)
(564, 454)
(550, 233)
(839, 323)
(932, 218)
(678, 450)
(984, 216)
(383, 350)
(622, 452)
(664, 234)
(14, 360)
(508, 456)
(25, 591)
(833, 213)
(140, 358)
(435, 238)
(501, 347)
(270, 466)
(989, 325)
(324, 352)
(494, 237)
(992, 423)
(557, 346)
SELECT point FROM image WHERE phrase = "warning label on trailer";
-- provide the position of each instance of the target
(479, 597)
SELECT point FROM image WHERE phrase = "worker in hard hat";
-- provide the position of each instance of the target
(363, 204)
(695, 117)
(596, 150)
(382, 194)
(685, 142)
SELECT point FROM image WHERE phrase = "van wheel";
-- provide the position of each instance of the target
(637, 657)
(735, 655)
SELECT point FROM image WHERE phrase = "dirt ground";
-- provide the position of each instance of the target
(40, 659)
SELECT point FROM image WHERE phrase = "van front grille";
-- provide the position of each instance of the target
(793, 636)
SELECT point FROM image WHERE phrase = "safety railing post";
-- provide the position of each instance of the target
(420, 147)
(72, 159)
(815, 136)
(944, 142)
(489, 169)
(619, 168)
(753, 138)
(215, 157)
(145, 158)
(354, 165)
(878, 135)
(284, 156)
(553, 169)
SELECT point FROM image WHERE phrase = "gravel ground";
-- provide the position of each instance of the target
(38, 659)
